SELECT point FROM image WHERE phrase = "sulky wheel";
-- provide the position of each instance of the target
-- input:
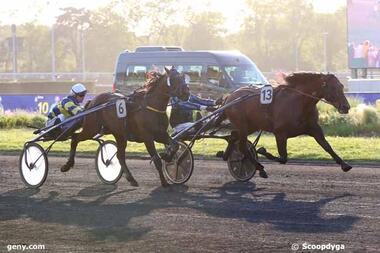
(107, 165)
(33, 165)
(179, 170)
(241, 169)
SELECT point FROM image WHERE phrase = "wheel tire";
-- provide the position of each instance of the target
(109, 150)
(241, 170)
(35, 177)
(180, 172)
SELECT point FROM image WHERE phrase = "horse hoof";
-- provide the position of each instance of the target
(261, 151)
(167, 158)
(65, 168)
(259, 167)
(134, 183)
(263, 174)
(346, 167)
(164, 184)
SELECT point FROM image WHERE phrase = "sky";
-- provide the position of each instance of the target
(45, 11)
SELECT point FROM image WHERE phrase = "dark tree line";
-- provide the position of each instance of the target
(278, 35)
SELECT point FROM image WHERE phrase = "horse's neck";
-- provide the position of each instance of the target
(308, 94)
(312, 88)
(157, 99)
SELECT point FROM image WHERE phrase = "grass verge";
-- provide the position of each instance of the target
(302, 148)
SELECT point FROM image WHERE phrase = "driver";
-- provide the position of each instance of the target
(68, 107)
(181, 115)
(182, 111)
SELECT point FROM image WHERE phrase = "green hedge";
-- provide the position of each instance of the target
(22, 119)
(362, 120)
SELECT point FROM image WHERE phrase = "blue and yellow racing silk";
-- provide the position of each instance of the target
(68, 106)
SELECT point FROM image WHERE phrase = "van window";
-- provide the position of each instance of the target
(244, 74)
(135, 74)
(193, 71)
(213, 75)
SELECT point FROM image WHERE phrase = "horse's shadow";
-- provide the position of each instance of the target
(107, 221)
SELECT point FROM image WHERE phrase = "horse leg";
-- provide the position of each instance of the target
(172, 144)
(73, 148)
(318, 135)
(86, 134)
(264, 152)
(172, 148)
(156, 160)
(247, 154)
(121, 145)
(281, 141)
(282, 150)
(231, 143)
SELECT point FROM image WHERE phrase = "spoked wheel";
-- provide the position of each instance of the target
(107, 165)
(33, 165)
(241, 169)
(179, 170)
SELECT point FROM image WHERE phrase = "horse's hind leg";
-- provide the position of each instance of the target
(121, 145)
(281, 141)
(73, 148)
(244, 149)
(75, 139)
(282, 150)
(318, 135)
(264, 152)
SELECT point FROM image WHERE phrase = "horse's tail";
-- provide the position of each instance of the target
(222, 116)
(219, 119)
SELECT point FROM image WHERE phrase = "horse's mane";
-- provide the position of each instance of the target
(150, 84)
(301, 78)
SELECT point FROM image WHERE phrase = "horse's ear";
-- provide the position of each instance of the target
(167, 70)
(173, 67)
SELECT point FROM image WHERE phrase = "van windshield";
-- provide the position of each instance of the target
(245, 74)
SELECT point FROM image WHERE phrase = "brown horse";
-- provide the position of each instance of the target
(146, 120)
(293, 112)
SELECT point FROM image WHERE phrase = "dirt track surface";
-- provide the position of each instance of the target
(74, 212)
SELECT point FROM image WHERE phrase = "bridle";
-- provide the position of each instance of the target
(313, 95)
(172, 93)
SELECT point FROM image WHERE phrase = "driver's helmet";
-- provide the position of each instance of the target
(78, 89)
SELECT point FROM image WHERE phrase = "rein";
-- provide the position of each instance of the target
(154, 109)
(308, 95)
(150, 108)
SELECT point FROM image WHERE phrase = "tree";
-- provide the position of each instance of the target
(206, 32)
(36, 54)
(69, 29)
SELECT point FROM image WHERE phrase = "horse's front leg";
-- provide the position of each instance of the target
(318, 135)
(149, 144)
(121, 145)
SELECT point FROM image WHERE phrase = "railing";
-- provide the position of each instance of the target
(97, 77)
(106, 78)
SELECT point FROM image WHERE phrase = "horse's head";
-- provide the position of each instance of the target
(332, 91)
(176, 85)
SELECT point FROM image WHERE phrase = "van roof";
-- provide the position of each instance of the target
(221, 57)
(158, 48)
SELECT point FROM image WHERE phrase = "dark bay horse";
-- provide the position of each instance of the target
(293, 112)
(146, 120)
